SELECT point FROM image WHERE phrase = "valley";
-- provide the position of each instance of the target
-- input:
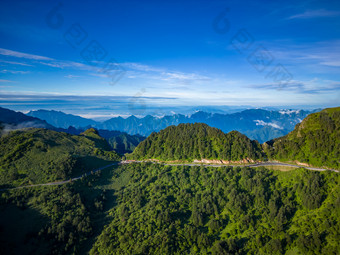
(189, 188)
(170, 127)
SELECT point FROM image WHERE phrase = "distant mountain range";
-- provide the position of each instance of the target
(62, 120)
(121, 142)
(147, 208)
(261, 125)
(11, 120)
(315, 141)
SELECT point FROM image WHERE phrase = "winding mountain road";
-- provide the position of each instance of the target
(62, 182)
(257, 165)
(168, 164)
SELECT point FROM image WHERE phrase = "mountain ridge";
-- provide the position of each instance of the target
(314, 141)
(197, 141)
(259, 124)
(37, 155)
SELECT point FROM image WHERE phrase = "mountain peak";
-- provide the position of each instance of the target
(197, 141)
(90, 131)
(314, 141)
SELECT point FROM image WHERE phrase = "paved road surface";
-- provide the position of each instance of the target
(63, 182)
(250, 165)
(261, 164)
(182, 164)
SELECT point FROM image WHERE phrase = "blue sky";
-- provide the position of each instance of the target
(163, 54)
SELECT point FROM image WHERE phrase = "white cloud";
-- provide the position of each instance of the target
(18, 54)
(315, 14)
(331, 63)
(71, 76)
(14, 63)
(262, 123)
(141, 67)
(289, 112)
(14, 71)
(183, 76)
(138, 70)
(6, 81)
(313, 86)
(320, 54)
(101, 75)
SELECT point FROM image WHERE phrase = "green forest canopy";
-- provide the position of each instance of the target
(39, 155)
(197, 141)
(316, 141)
(155, 209)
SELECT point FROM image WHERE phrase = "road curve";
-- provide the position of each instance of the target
(62, 182)
(168, 164)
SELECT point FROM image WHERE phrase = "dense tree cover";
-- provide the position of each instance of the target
(121, 142)
(316, 141)
(196, 141)
(38, 155)
(54, 219)
(43, 220)
(197, 210)
(157, 209)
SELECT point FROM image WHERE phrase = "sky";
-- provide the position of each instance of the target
(122, 57)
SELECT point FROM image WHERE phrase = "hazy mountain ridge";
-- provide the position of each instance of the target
(11, 120)
(315, 141)
(262, 125)
(62, 120)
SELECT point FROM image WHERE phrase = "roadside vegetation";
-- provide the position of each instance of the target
(34, 156)
(155, 209)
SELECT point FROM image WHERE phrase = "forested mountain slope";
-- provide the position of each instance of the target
(11, 120)
(145, 208)
(203, 210)
(315, 141)
(39, 155)
(197, 141)
(121, 142)
(155, 209)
